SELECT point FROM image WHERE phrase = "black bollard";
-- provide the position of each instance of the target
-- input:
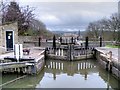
(45, 54)
(100, 41)
(54, 42)
(66, 41)
(86, 46)
(107, 64)
(60, 39)
(39, 43)
(86, 43)
(72, 40)
(70, 52)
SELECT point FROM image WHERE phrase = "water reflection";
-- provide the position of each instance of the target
(70, 68)
(82, 74)
(64, 74)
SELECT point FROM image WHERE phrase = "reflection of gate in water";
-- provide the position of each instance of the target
(70, 67)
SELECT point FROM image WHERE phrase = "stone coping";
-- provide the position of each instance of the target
(115, 52)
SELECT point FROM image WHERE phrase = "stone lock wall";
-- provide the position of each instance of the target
(3, 28)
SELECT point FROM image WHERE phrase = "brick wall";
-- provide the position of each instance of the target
(28, 41)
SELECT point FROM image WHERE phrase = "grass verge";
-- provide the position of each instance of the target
(112, 46)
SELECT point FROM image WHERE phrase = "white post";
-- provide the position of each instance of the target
(59, 52)
(62, 52)
(16, 53)
(56, 53)
(21, 50)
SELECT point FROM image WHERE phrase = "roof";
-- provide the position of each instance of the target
(69, 35)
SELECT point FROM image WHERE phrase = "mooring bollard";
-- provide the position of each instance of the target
(66, 41)
(54, 42)
(39, 44)
(72, 40)
(45, 53)
(86, 43)
(110, 55)
(100, 41)
(109, 62)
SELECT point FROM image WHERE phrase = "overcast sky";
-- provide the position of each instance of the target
(71, 14)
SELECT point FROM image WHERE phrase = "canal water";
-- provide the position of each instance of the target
(65, 74)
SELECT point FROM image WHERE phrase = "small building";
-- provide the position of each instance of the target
(69, 38)
(8, 37)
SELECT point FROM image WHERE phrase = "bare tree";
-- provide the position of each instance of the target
(93, 30)
(3, 6)
(23, 16)
(28, 15)
(104, 27)
(114, 24)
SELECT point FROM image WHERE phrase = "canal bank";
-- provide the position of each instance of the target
(31, 63)
(109, 59)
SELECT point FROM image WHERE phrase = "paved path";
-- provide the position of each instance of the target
(115, 52)
(34, 53)
(6, 54)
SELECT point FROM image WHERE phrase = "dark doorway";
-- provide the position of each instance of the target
(9, 40)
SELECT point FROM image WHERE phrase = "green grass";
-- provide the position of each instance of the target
(112, 46)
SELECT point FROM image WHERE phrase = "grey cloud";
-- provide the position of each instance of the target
(72, 13)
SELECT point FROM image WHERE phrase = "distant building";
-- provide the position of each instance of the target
(70, 35)
(8, 37)
(69, 38)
